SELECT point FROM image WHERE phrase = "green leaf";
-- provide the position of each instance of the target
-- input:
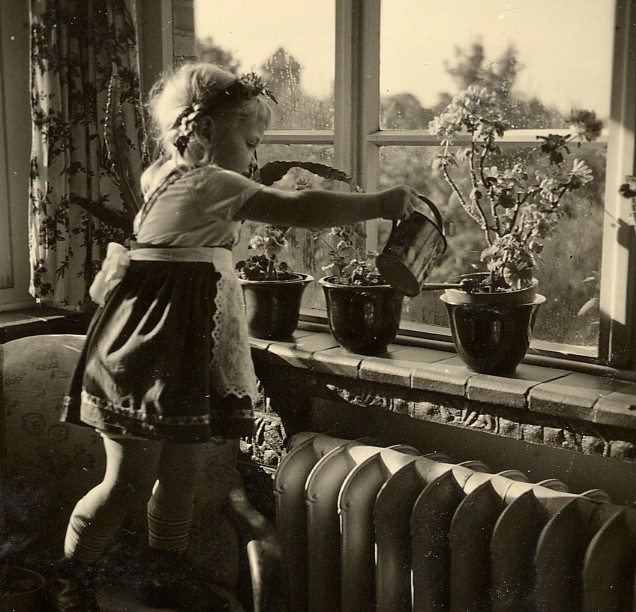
(276, 170)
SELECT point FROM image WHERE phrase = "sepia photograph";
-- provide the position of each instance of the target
(318, 306)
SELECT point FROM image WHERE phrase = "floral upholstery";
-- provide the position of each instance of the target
(48, 466)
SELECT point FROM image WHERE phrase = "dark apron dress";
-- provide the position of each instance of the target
(150, 366)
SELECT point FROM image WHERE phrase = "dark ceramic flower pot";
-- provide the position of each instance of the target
(492, 332)
(516, 296)
(364, 320)
(273, 307)
(26, 600)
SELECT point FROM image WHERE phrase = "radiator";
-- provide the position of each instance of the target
(366, 528)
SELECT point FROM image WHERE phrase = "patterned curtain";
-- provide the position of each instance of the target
(86, 110)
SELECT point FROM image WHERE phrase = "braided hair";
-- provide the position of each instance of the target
(190, 105)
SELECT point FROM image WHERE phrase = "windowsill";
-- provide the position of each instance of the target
(598, 411)
(594, 413)
(550, 354)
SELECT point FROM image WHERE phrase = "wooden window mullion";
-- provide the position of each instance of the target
(618, 269)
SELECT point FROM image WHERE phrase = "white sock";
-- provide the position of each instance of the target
(168, 528)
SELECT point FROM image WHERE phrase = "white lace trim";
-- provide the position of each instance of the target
(231, 363)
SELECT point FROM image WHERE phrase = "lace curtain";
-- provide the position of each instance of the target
(77, 202)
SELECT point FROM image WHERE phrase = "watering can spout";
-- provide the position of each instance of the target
(412, 250)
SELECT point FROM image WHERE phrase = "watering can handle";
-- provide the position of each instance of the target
(435, 211)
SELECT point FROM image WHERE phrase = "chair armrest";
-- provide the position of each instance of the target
(264, 552)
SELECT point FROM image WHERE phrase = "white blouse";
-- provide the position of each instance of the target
(198, 209)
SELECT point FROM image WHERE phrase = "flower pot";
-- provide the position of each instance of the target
(363, 319)
(515, 296)
(273, 307)
(29, 591)
(492, 331)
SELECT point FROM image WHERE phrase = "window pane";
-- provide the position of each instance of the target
(289, 42)
(546, 56)
(305, 253)
(568, 272)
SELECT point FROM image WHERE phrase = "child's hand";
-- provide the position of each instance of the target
(398, 202)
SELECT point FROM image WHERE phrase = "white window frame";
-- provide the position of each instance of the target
(618, 276)
(357, 139)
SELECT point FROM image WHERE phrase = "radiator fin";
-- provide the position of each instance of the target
(370, 528)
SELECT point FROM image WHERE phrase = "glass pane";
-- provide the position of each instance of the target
(305, 253)
(568, 271)
(291, 43)
(546, 57)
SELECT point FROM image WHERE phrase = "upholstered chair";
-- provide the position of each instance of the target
(48, 465)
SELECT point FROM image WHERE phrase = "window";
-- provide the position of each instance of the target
(546, 69)
(360, 80)
(297, 56)
(7, 277)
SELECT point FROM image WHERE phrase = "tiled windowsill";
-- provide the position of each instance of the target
(595, 414)
(590, 413)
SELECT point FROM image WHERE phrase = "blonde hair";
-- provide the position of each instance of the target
(195, 87)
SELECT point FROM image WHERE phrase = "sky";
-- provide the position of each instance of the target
(564, 46)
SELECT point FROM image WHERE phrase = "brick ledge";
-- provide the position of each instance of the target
(544, 405)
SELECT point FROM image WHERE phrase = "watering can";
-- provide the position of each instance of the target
(412, 249)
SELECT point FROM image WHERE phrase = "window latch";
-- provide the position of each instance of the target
(628, 188)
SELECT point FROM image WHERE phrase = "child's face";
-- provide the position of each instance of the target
(236, 150)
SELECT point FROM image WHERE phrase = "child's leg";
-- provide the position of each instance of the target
(170, 507)
(172, 583)
(131, 468)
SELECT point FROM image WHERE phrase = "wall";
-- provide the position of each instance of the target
(578, 471)
(547, 423)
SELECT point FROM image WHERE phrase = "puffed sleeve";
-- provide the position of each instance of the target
(221, 193)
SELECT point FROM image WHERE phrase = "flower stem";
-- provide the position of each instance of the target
(270, 274)
(482, 219)
(451, 182)
(489, 189)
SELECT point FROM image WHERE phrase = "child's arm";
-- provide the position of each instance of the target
(313, 208)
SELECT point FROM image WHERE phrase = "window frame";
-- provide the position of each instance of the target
(15, 121)
(357, 139)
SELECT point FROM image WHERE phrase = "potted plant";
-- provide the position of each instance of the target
(363, 311)
(493, 312)
(628, 190)
(272, 290)
(21, 589)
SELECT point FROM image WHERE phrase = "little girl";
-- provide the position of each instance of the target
(166, 365)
